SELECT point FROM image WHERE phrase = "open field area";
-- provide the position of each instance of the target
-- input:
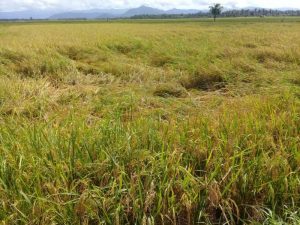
(176, 122)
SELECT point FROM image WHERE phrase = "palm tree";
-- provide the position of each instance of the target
(216, 10)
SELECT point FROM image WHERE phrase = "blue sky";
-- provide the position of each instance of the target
(16, 5)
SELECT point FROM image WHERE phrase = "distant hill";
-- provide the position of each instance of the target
(182, 11)
(114, 13)
(143, 10)
(89, 14)
(92, 14)
(35, 14)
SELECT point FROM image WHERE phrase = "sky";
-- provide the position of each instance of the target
(18, 5)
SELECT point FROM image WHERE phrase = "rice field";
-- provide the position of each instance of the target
(150, 122)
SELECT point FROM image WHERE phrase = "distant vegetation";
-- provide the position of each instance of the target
(226, 13)
(142, 122)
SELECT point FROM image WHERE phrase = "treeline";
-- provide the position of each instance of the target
(228, 13)
(259, 12)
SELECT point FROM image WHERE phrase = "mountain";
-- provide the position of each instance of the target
(181, 11)
(89, 14)
(143, 10)
(115, 13)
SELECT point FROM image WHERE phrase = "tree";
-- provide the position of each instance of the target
(216, 10)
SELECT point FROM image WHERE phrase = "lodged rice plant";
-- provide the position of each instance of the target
(154, 122)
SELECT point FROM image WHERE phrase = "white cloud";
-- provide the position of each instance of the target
(13, 5)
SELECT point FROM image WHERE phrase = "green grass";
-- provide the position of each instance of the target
(150, 122)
